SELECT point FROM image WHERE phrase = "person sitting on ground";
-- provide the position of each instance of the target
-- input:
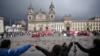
(56, 50)
(95, 51)
(6, 51)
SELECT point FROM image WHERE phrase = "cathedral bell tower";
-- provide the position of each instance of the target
(51, 12)
(30, 13)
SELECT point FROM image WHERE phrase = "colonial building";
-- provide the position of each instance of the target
(39, 21)
(1, 24)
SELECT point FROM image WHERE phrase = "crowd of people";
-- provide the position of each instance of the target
(14, 34)
(57, 50)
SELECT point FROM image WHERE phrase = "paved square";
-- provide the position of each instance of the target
(48, 42)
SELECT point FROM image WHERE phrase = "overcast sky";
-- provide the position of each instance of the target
(79, 9)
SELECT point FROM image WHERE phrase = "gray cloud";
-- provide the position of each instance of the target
(79, 9)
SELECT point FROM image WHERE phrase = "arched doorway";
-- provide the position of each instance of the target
(88, 27)
(46, 28)
(67, 27)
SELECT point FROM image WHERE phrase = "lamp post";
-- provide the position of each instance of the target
(10, 22)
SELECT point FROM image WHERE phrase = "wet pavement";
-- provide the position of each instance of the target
(48, 42)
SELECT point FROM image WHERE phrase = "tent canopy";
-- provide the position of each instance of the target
(48, 32)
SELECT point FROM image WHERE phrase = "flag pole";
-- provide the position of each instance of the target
(10, 22)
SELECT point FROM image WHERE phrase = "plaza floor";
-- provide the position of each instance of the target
(48, 42)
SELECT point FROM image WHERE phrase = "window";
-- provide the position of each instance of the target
(91, 24)
(94, 24)
(51, 16)
(96, 27)
(30, 18)
(81, 28)
(40, 28)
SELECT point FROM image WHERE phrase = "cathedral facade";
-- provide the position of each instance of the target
(39, 21)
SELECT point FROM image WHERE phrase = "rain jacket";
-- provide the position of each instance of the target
(14, 52)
